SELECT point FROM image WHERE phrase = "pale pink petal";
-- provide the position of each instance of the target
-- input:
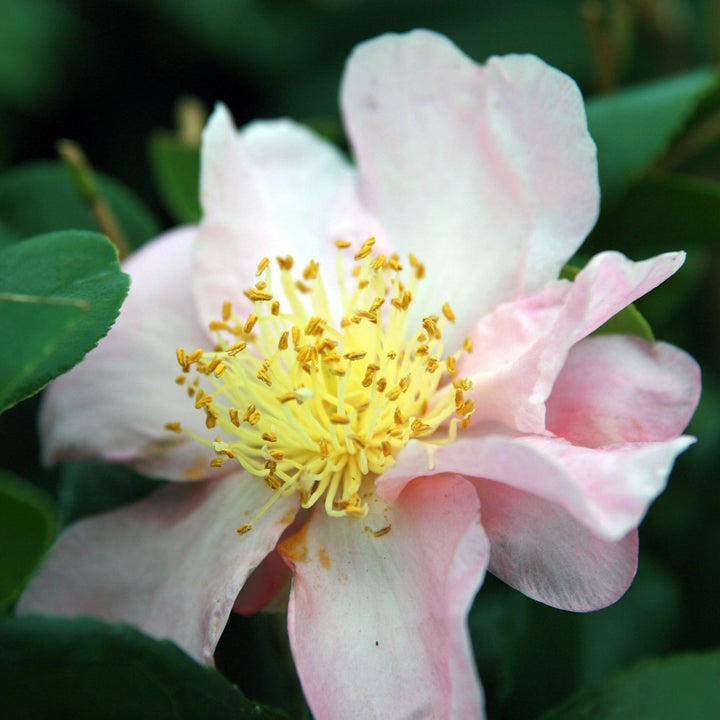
(171, 565)
(115, 404)
(268, 190)
(377, 621)
(487, 173)
(541, 550)
(615, 388)
(520, 348)
(607, 489)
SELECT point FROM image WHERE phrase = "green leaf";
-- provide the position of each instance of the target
(684, 687)
(69, 277)
(84, 669)
(628, 321)
(634, 127)
(31, 327)
(176, 169)
(39, 197)
(27, 527)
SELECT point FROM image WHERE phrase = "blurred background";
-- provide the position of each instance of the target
(109, 75)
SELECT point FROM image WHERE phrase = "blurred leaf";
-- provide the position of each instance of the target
(39, 197)
(530, 656)
(90, 488)
(77, 268)
(684, 687)
(27, 527)
(176, 169)
(36, 37)
(667, 211)
(628, 321)
(32, 328)
(84, 669)
(634, 127)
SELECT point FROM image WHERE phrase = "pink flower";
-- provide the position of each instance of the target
(468, 421)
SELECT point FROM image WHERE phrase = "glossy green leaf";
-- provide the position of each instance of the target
(634, 127)
(27, 527)
(73, 279)
(39, 197)
(628, 321)
(176, 169)
(683, 687)
(31, 327)
(84, 669)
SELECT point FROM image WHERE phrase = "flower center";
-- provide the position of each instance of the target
(321, 410)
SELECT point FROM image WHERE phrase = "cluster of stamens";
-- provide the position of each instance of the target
(317, 409)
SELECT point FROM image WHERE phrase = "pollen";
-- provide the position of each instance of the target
(317, 404)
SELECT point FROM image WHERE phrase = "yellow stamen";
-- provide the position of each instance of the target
(319, 409)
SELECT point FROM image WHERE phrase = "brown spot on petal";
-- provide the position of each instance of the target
(324, 558)
(294, 548)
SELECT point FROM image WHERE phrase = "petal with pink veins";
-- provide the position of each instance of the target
(607, 489)
(114, 405)
(487, 173)
(520, 348)
(171, 564)
(542, 551)
(378, 606)
(617, 388)
(271, 189)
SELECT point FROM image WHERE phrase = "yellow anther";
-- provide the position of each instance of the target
(342, 244)
(448, 313)
(338, 419)
(285, 263)
(311, 271)
(467, 345)
(450, 363)
(275, 307)
(269, 437)
(236, 348)
(302, 287)
(173, 427)
(216, 325)
(257, 295)
(262, 265)
(180, 379)
(217, 462)
(283, 341)
(226, 310)
(356, 355)
(250, 324)
(246, 528)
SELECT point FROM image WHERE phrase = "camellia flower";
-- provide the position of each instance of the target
(382, 383)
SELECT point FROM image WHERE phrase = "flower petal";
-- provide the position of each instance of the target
(521, 347)
(615, 388)
(268, 190)
(542, 551)
(114, 405)
(377, 622)
(607, 489)
(487, 173)
(171, 564)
